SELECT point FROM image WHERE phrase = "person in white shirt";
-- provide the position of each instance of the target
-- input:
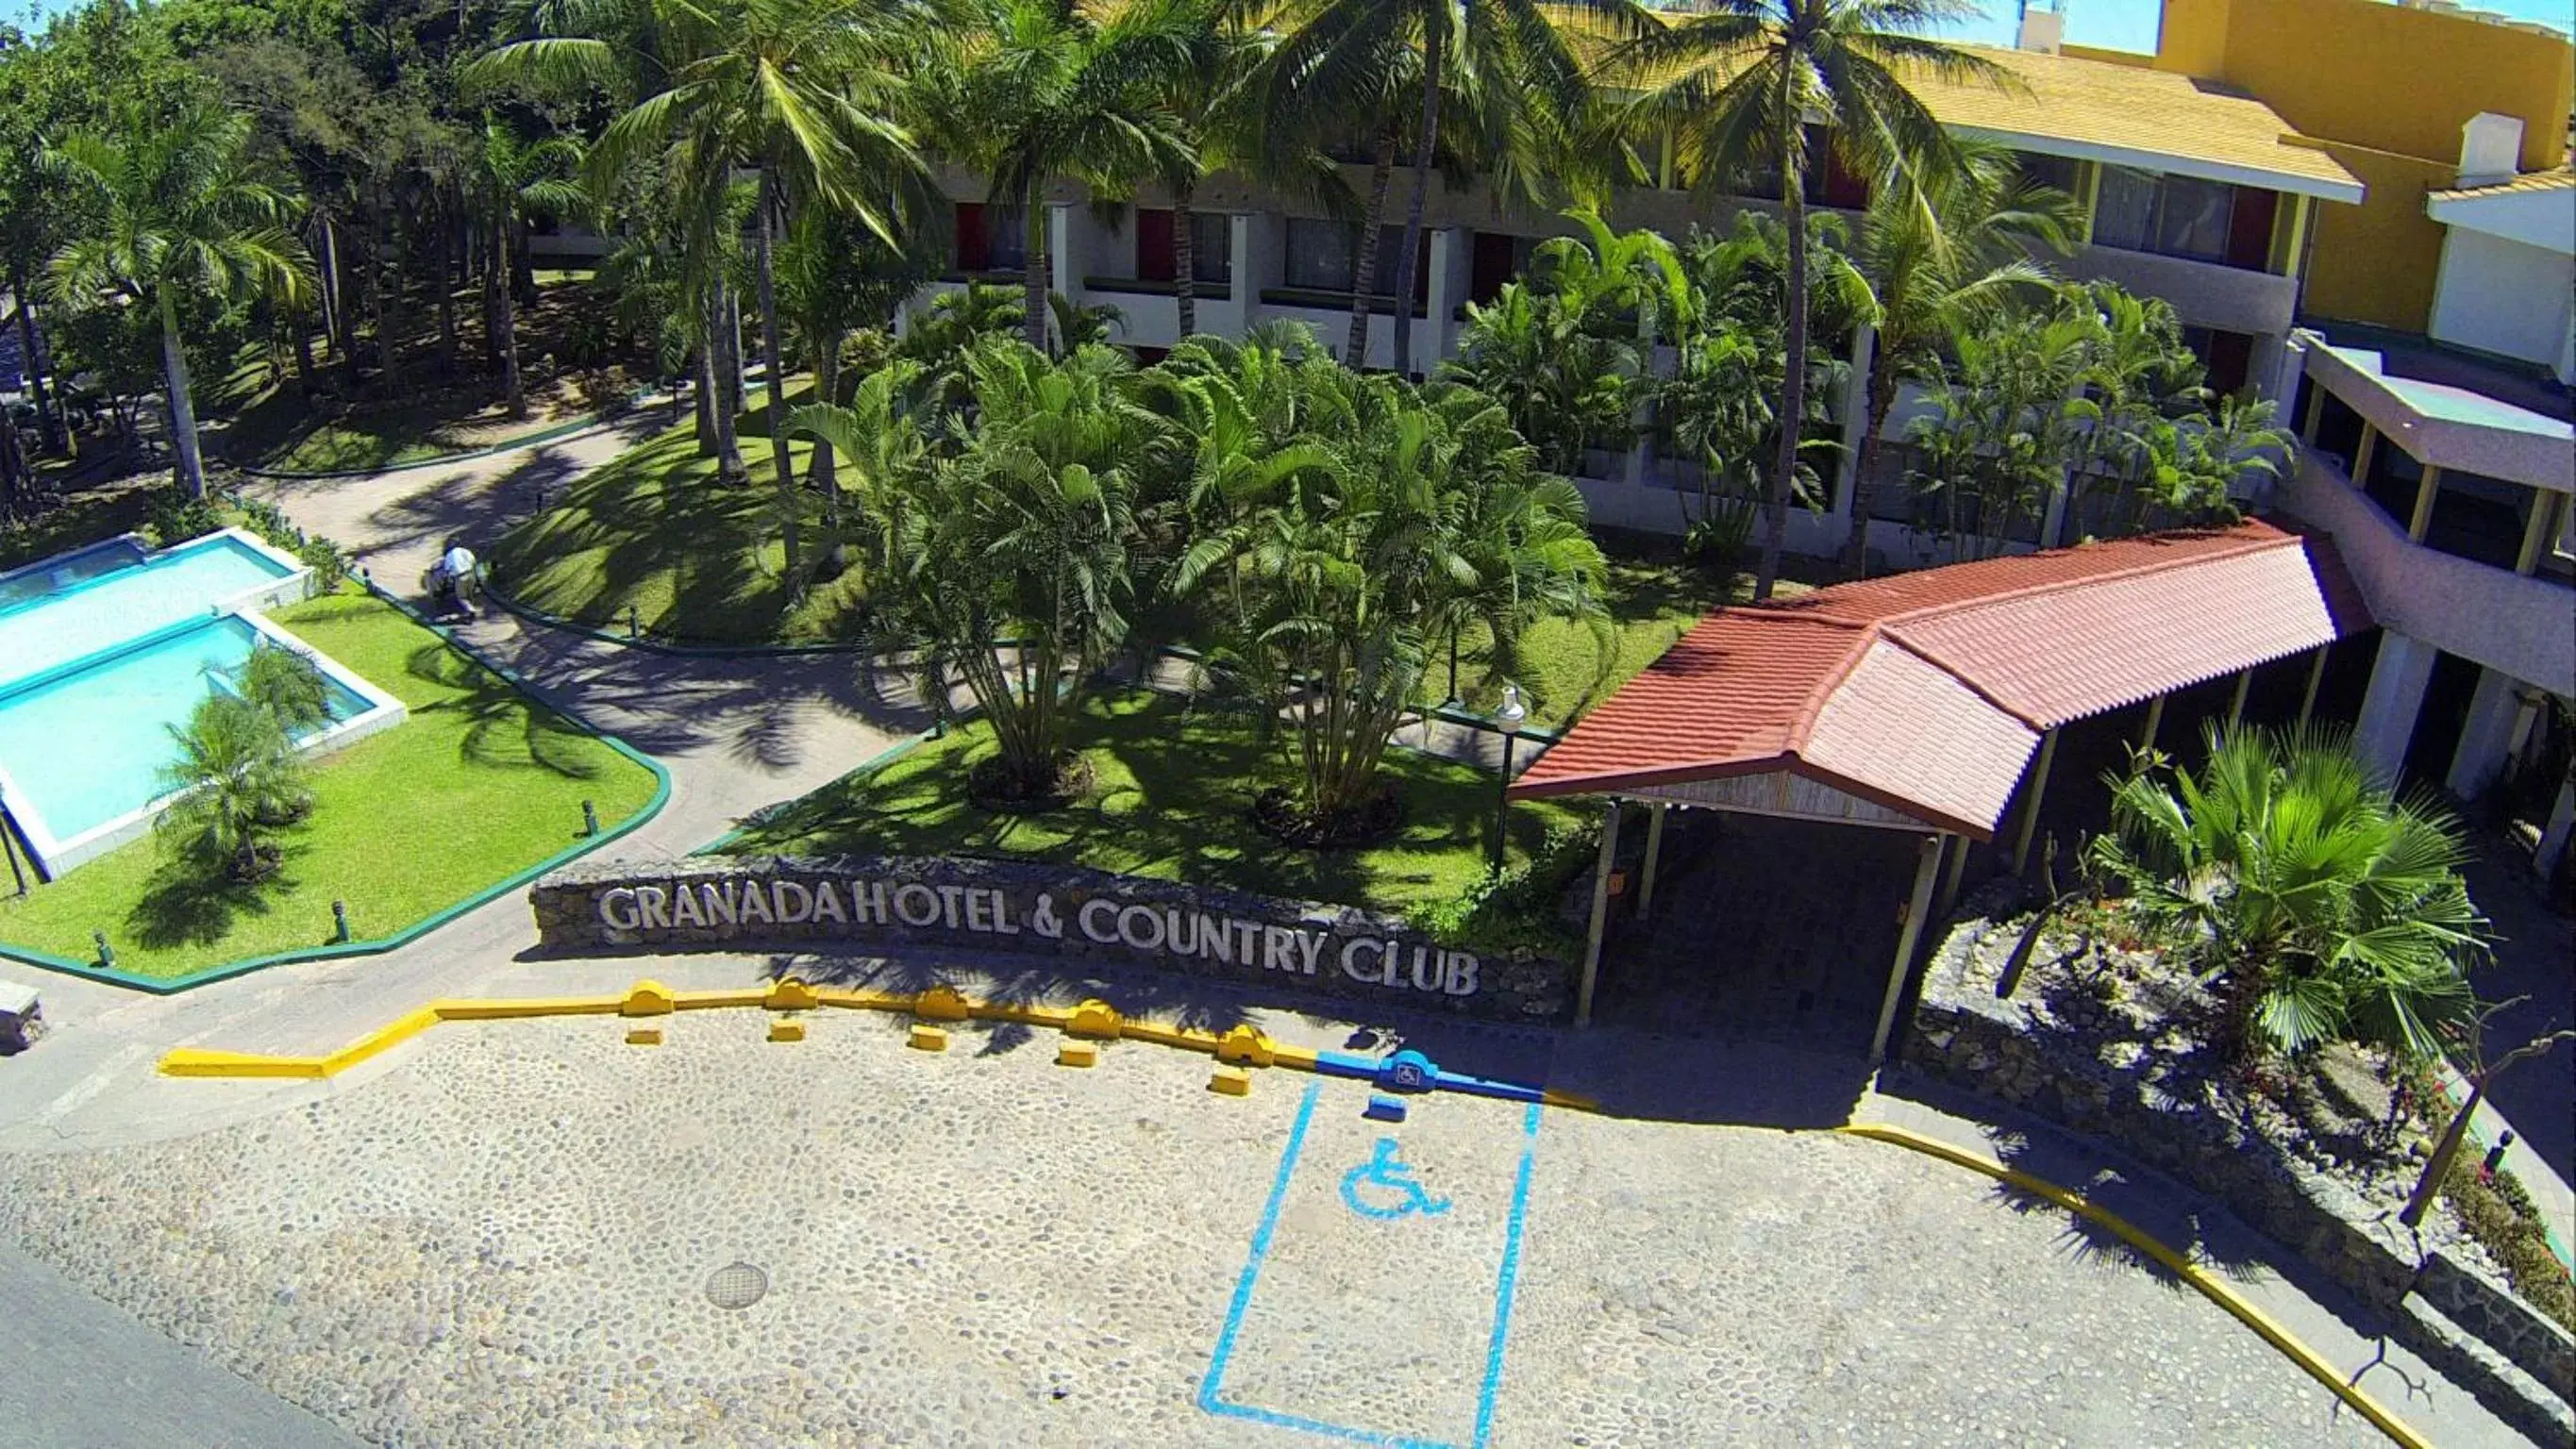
(452, 578)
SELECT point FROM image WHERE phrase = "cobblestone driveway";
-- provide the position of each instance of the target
(505, 1235)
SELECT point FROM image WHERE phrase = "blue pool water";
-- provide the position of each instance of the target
(86, 745)
(104, 599)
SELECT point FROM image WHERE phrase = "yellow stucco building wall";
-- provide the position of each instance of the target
(2387, 90)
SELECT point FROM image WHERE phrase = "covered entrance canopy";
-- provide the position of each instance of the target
(1917, 702)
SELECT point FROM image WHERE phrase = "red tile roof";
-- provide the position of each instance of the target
(1928, 691)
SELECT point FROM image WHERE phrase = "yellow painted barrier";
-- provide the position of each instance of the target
(2211, 1287)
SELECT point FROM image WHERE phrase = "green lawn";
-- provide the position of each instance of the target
(1174, 789)
(697, 561)
(479, 783)
(1561, 670)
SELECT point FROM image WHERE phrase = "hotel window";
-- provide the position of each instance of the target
(2062, 172)
(1211, 247)
(2177, 216)
(1006, 239)
(1323, 257)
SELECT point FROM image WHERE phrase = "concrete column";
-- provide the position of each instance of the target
(1063, 267)
(2316, 676)
(1918, 909)
(2486, 737)
(2030, 803)
(1438, 330)
(2052, 519)
(1855, 420)
(2537, 530)
(1600, 915)
(1654, 859)
(1247, 287)
(2553, 841)
(2425, 494)
(2389, 707)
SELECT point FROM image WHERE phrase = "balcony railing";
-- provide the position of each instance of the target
(2513, 622)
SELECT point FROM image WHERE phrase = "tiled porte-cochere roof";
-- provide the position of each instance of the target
(1926, 693)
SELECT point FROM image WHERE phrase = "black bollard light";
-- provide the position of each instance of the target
(634, 623)
(106, 952)
(339, 920)
(589, 818)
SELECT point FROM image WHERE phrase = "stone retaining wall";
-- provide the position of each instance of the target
(876, 902)
(1963, 1034)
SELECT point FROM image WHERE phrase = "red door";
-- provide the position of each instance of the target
(1155, 261)
(972, 255)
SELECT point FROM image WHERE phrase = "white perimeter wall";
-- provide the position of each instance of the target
(2508, 298)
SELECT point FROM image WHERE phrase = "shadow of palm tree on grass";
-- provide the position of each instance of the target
(504, 730)
(184, 904)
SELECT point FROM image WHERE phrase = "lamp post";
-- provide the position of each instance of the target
(1509, 716)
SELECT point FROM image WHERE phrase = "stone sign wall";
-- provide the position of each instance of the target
(871, 902)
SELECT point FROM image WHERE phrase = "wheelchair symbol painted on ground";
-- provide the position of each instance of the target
(1383, 1188)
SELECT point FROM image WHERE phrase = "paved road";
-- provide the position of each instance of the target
(516, 1231)
(78, 1374)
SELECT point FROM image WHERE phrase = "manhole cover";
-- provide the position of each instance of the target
(736, 1285)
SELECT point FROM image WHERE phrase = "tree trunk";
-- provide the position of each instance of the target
(704, 364)
(1364, 266)
(2437, 1168)
(791, 507)
(335, 341)
(443, 277)
(1033, 270)
(1425, 142)
(303, 353)
(183, 412)
(1185, 261)
(1793, 384)
(728, 344)
(824, 473)
(505, 313)
(1878, 396)
(49, 425)
(523, 264)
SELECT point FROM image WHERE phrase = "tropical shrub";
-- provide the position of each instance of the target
(2324, 908)
(241, 779)
(1005, 566)
(1345, 522)
(288, 686)
(172, 515)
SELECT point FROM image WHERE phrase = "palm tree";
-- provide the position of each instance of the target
(1043, 90)
(240, 778)
(175, 208)
(1733, 83)
(1938, 251)
(798, 91)
(288, 686)
(2328, 909)
(1349, 521)
(1507, 53)
(507, 178)
(1007, 567)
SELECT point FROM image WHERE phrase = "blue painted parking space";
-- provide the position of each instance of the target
(1376, 1296)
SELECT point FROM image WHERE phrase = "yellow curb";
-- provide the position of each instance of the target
(2210, 1286)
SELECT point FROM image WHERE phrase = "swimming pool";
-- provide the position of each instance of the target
(105, 650)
